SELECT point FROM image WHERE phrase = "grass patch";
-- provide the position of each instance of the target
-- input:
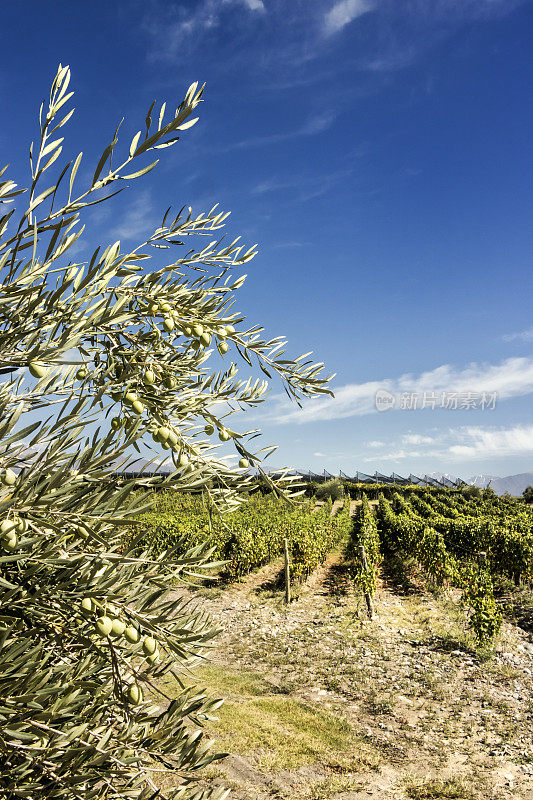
(276, 730)
(450, 789)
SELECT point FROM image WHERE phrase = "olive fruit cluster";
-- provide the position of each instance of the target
(166, 437)
(10, 530)
(201, 337)
(224, 435)
(110, 624)
(131, 400)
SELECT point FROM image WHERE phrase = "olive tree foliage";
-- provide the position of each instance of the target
(88, 628)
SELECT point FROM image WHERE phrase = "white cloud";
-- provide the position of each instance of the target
(416, 438)
(466, 443)
(395, 455)
(480, 443)
(512, 378)
(343, 13)
(375, 443)
(254, 5)
(524, 336)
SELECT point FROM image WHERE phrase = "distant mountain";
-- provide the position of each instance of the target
(514, 484)
(483, 481)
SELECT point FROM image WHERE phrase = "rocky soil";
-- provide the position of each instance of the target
(433, 718)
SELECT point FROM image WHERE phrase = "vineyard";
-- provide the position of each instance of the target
(248, 538)
(420, 693)
(458, 540)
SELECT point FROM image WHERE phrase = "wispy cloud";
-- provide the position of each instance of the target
(177, 30)
(138, 219)
(307, 186)
(289, 245)
(512, 378)
(524, 336)
(343, 13)
(375, 443)
(281, 43)
(317, 123)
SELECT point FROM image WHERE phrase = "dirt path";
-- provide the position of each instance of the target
(422, 715)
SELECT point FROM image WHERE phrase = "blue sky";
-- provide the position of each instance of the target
(378, 151)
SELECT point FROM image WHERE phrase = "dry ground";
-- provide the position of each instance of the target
(322, 703)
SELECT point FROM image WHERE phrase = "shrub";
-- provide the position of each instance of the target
(332, 489)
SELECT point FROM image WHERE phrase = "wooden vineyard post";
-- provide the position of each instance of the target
(368, 596)
(287, 572)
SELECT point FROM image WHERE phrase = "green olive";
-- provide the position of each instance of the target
(168, 324)
(154, 308)
(80, 531)
(81, 374)
(198, 329)
(209, 430)
(223, 435)
(130, 398)
(166, 307)
(7, 526)
(135, 694)
(244, 463)
(104, 625)
(187, 330)
(37, 369)
(205, 339)
(229, 330)
(163, 433)
(137, 407)
(8, 477)
(87, 605)
(149, 377)
(116, 423)
(117, 628)
(222, 348)
(132, 634)
(173, 439)
(22, 526)
(9, 542)
(149, 645)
